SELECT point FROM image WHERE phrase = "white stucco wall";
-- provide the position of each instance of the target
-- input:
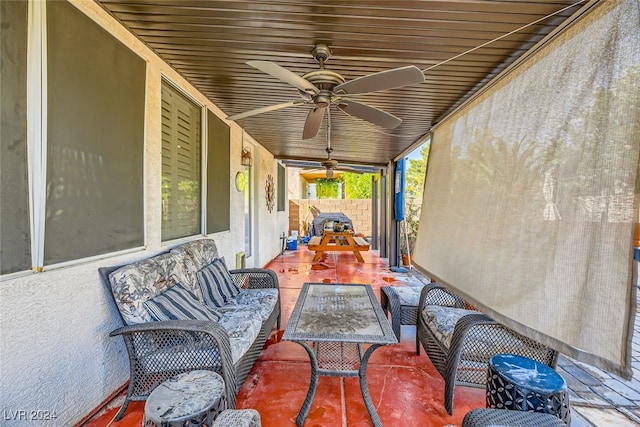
(267, 226)
(55, 352)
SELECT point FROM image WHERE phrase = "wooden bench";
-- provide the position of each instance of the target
(314, 241)
(337, 241)
(361, 241)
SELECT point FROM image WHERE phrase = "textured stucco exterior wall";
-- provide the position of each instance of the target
(268, 226)
(55, 352)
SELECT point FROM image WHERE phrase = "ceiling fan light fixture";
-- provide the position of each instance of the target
(329, 173)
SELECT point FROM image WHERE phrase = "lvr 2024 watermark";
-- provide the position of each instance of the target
(28, 415)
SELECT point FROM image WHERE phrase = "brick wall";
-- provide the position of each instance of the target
(294, 217)
(359, 211)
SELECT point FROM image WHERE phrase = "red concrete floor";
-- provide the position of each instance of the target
(405, 388)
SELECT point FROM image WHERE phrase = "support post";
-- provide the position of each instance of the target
(374, 213)
(384, 215)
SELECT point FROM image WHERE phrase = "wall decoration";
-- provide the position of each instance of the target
(270, 193)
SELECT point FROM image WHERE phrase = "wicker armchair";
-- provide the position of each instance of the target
(476, 338)
(400, 302)
(159, 350)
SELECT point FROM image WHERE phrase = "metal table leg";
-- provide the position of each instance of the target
(362, 374)
(313, 385)
(364, 387)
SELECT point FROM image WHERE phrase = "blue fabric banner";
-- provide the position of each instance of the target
(399, 185)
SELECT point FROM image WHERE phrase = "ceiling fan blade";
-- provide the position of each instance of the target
(349, 169)
(388, 79)
(370, 114)
(314, 120)
(283, 74)
(263, 110)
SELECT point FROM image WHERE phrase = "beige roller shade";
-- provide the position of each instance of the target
(532, 192)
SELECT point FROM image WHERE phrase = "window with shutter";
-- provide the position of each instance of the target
(181, 165)
(280, 192)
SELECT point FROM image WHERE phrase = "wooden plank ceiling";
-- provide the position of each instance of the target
(210, 41)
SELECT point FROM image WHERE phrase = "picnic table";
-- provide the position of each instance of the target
(338, 241)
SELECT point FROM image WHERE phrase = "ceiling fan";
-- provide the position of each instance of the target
(323, 88)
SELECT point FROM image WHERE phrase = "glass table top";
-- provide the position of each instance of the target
(338, 312)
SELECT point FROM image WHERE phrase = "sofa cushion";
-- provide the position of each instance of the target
(243, 327)
(260, 302)
(216, 284)
(244, 315)
(441, 321)
(135, 283)
(193, 256)
(178, 303)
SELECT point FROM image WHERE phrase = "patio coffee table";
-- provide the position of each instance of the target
(338, 320)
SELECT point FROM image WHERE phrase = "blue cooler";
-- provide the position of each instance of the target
(292, 244)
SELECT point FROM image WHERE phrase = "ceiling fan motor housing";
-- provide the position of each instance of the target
(324, 79)
(330, 164)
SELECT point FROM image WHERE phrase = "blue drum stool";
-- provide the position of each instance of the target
(522, 384)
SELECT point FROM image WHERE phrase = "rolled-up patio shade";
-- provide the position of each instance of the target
(531, 194)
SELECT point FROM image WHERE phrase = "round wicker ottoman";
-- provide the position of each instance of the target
(238, 418)
(500, 417)
(190, 399)
(523, 384)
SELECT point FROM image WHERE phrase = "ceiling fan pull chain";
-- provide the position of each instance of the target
(329, 150)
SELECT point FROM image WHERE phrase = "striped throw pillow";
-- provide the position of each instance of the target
(216, 284)
(178, 303)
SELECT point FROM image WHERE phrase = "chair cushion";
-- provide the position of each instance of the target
(178, 303)
(216, 284)
(441, 321)
(408, 295)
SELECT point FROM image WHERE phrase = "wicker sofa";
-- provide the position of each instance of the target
(227, 340)
(459, 342)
